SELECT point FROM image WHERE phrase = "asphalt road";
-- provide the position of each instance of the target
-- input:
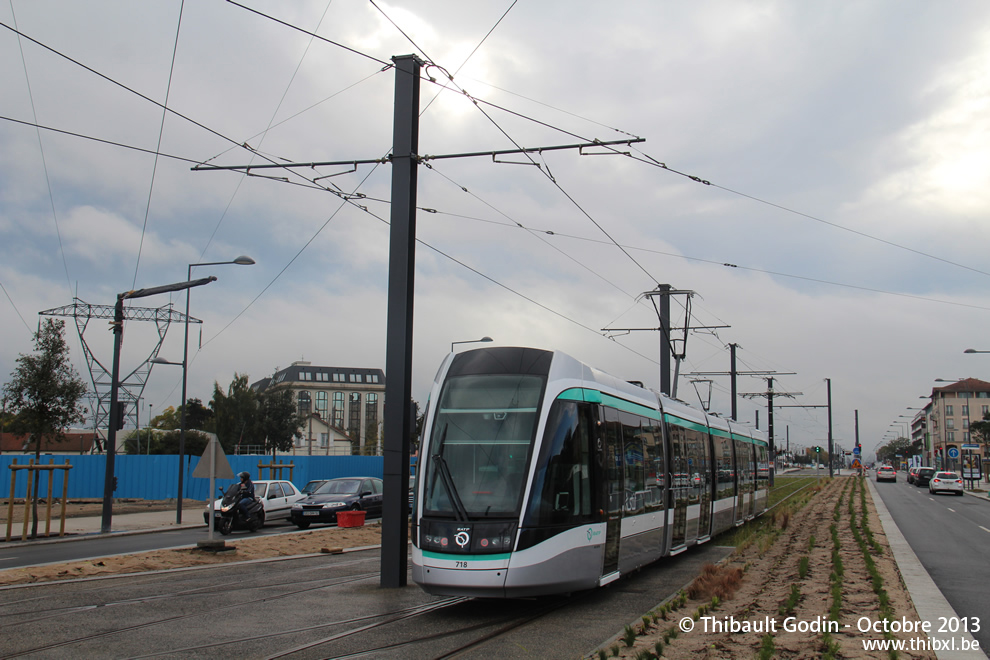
(951, 537)
(33, 554)
(318, 607)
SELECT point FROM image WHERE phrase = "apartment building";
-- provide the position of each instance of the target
(343, 407)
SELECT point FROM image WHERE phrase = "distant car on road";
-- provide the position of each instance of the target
(886, 473)
(911, 474)
(344, 494)
(276, 496)
(924, 476)
(947, 482)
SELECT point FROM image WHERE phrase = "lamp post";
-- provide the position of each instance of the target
(470, 341)
(113, 424)
(240, 261)
(973, 350)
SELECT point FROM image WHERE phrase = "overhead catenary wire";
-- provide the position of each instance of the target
(161, 132)
(44, 161)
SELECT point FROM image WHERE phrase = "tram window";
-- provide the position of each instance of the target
(634, 494)
(653, 464)
(561, 485)
(680, 476)
(723, 461)
(484, 431)
(613, 459)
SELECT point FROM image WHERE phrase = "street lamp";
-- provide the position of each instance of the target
(109, 481)
(470, 341)
(973, 350)
(240, 261)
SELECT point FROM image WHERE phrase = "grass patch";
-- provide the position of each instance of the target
(715, 582)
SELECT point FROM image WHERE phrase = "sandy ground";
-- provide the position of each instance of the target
(246, 547)
(768, 574)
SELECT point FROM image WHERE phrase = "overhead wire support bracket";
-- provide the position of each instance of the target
(203, 167)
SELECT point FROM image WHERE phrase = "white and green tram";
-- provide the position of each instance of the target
(541, 475)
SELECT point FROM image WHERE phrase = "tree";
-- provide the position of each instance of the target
(980, 431)
(235, 413)
(44, 392)
(278, 420)
(166, 420)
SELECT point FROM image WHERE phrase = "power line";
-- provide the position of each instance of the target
(17, 311)
(161, 131)
(44, 161)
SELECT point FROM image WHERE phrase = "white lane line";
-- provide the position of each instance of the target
(952, 510)
(983, 528)
(13, 558)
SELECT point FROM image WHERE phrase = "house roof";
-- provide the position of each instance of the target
(965, 385)
(306, 372)
(74, 442)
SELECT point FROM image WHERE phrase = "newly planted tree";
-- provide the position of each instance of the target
(44, 392)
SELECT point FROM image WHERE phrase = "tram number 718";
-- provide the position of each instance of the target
(460, 564)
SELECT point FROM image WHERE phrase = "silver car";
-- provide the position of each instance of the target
(946, 482)
(276, 496)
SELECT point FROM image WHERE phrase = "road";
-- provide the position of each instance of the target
(951, 537)
(318, 607)
(33, 554)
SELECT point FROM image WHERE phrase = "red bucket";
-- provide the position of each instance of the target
(350, 518)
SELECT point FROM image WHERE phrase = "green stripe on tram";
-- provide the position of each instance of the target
(594, 396)
(451, 557)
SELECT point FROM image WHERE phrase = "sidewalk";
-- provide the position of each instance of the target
(88, 527)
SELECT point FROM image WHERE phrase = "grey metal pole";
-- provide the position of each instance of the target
(108, 477)
(665, 339)
(399, 330)
(773, 449)
(182, 416)
(732, 378)
(829, 382)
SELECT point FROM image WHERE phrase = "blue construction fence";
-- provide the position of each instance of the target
(157, 477)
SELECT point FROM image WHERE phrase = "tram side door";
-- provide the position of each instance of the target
(609, 443)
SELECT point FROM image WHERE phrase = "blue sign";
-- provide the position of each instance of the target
(953, 452)
(856, 451)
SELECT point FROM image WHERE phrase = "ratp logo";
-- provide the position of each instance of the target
(462, 539)
(592, 533)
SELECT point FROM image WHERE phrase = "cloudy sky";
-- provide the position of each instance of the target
(816, 172)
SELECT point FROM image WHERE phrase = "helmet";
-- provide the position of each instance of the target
(243, 476)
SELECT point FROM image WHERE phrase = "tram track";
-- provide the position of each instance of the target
(49, 612)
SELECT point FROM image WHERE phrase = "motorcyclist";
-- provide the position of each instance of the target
(245, 494)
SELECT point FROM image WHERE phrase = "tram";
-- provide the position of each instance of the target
(541, 475)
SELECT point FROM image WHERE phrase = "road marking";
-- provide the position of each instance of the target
(983, 528)
(13, 558)
(952, 510)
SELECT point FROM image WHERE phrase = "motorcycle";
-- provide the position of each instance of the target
(231, 515)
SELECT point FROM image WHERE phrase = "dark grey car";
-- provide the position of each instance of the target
(924, 476)
(344, 494)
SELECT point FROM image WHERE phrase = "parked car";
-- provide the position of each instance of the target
(886, 473)
(312, 486)
(924, 476)
(911, 474)
(946, 481)
(344, 494)
(277, 498)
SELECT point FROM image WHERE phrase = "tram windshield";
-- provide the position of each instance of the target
(478, 452)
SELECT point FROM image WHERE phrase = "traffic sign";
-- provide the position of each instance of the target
(953, 452)
(857, 450)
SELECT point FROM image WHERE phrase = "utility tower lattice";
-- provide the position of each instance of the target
(132, 385)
